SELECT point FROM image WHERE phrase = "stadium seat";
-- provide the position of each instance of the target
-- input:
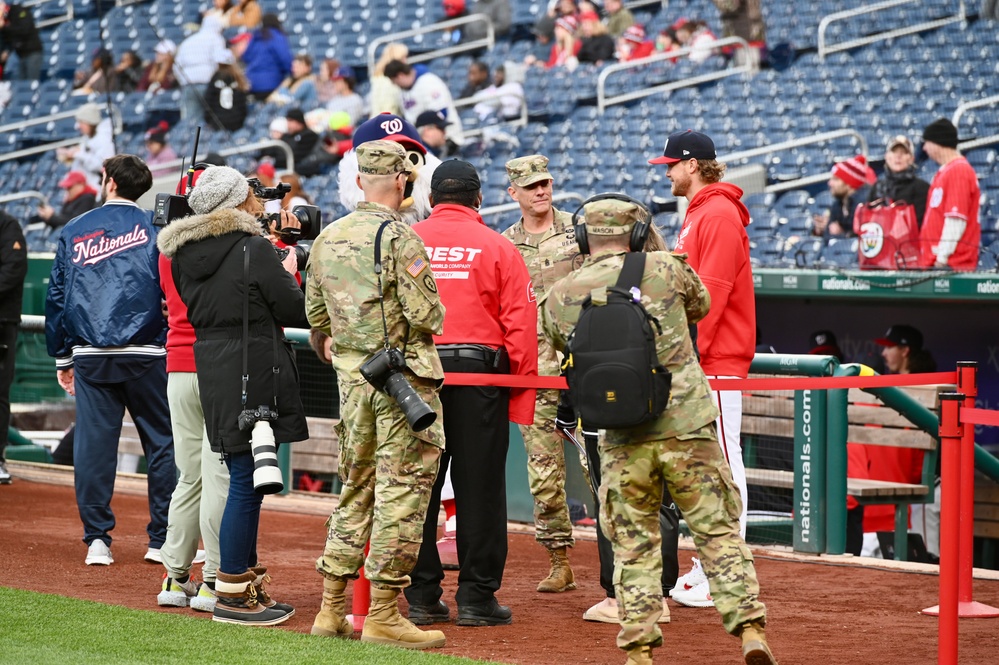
(840, 252)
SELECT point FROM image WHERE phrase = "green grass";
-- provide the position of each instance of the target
(43, 629)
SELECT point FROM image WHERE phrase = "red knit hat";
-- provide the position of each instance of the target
(854, 172)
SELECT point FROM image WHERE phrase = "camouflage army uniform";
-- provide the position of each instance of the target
(387, 470)
(548, 260)
(679, 447)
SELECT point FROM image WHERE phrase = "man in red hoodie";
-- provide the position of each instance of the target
(491, 327)
(714, 238)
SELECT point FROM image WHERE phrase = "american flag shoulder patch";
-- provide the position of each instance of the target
(416, 267)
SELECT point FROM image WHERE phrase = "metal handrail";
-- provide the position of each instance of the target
(30, 194)
(967, 106)
(55, 20)
(795, 143)
(515, 122)
(510, 207)
(488, 42)
(603, 101)
(249, 147)
(825, 49)
(21, 124)
(39, 149)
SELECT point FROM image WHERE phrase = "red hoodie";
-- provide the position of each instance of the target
(714, 238)
(180, 333)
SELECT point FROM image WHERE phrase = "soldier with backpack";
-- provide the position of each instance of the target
(678, 445)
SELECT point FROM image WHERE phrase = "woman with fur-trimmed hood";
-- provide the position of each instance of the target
(207, 251)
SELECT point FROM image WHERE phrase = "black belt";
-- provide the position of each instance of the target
(469, 351)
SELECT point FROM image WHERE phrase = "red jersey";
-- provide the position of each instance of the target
(487, 292)
(643, 50)
(180, 333)
(954, 192)
(717, 247)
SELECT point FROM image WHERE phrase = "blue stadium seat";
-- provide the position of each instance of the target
(840, 252)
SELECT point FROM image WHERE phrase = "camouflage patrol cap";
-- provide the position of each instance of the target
(524, 171)
(611, 217)
(382, 158)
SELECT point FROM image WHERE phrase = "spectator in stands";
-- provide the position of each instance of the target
(632, 45)
(499, 12)
(324, 80)
(97, 78)
(196, 60)
(667, 42)
(299, 138)
(13, 270)
(218, 10)
(79, 197)
(504, 99)
(266, 56)
(158, 74)
(951, 233)
(823, 343)
(744, 18)
(422, 91)
(619, 17)
(566, 46)
(345, 97)
(478, 79)
(695, 35)
(899, 182)
(226, 96)
(334, 142)
(244, 14)
(297, 196)
(298, 89)
(97, 144)
(385, 96)
(158, 151)
(19, 34)
(432, 126)
(595, 44)
(849, 184)
(127, 73)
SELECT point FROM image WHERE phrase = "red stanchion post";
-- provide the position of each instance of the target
(967, 383)
(950, 469)
(361, 600)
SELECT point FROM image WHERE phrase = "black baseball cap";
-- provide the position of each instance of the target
(455, 176)
(902, 335)
(687, 144)
(435, 118)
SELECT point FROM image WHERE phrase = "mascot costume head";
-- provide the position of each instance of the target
(390, 127)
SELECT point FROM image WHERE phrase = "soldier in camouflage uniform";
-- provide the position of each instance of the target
(679, 447)
(544, 237)
(387, 470)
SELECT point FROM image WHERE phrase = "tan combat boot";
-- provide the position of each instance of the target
(331, 620)
(754, 645)
(560, 576)
(640, 655)
(385, 625)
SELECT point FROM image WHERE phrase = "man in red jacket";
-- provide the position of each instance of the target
(490, 327)
(714, 238)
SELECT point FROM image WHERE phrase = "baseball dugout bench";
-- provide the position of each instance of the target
(987, 521)
(776, 418)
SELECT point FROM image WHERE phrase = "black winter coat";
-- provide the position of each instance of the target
(911, 190)
(207, 253)
(13, 268)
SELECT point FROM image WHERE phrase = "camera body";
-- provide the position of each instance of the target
(384, 371)
(169, 207)
(307, 216)
(249, 417)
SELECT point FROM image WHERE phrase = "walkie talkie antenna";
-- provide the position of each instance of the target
(194, 158)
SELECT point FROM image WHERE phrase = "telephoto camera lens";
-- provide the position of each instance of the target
(266, 473)
(418, 413)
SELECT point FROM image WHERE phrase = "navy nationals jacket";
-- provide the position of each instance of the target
(104, 296)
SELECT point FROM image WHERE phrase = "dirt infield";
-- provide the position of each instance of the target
(819, 614)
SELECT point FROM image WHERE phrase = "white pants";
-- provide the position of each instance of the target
(926, 522)
(729, 423)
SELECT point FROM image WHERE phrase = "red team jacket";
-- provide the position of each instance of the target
(714, 238)
(487, 291)
(180, 334)
(954, 192)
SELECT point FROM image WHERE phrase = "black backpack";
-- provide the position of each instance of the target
(614, 375)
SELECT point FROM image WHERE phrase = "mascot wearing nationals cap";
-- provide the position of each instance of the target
(390, 127)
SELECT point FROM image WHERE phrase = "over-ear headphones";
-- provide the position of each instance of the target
(639, 230)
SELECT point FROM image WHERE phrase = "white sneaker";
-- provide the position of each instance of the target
(99, 554)
(199, 557)
(693, 578)
(699, 596)
(205, 600)
(176, 594)
(153, 555)
(4, 473)
(606, 612)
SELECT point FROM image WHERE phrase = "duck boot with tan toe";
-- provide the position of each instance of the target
(237, 602)
(560, 576)
(384, 624)
(640, 655)
(264, 598)
(754, 645)
(331, 620)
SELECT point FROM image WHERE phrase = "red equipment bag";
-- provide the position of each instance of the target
(889, 236)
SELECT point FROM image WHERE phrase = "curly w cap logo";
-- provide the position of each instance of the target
(393, 126)
(92, 249)
(872, 239)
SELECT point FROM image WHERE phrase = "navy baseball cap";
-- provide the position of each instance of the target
(902, 335)
(687, 144)
(391, 128)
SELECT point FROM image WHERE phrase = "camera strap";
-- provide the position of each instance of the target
(378, 274)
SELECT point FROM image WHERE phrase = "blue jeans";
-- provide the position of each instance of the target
(238, 532)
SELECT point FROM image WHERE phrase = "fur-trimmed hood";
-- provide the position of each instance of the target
(199, 242)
